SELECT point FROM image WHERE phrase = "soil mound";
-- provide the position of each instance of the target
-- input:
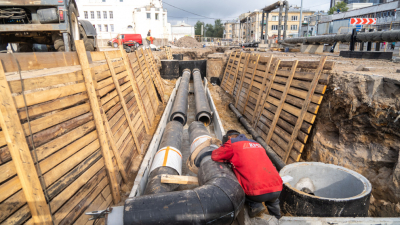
(188, 42)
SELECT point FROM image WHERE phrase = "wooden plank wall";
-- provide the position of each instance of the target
(279, 98)
(64, 134)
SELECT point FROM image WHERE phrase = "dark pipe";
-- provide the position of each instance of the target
(275, 159)
(218, 200)
(179, 109)
(197, 129)
(203, 111)
(172, 137)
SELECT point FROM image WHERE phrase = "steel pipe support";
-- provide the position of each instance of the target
(203, 111)
(275, 159)
(179, 109)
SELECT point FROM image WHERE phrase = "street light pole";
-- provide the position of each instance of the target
(301, 14)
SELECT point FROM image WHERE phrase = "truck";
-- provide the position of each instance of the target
(44, 25)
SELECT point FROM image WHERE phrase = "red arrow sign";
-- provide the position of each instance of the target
(357, 21)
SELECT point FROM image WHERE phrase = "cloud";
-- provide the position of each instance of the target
(224, 10)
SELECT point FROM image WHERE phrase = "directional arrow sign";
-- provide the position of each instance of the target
(362, 21)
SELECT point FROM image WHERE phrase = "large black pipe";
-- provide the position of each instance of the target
(378, 36)
(275, 159)
(218, 200)
(172, 138)
(179, 109)
(203, 111)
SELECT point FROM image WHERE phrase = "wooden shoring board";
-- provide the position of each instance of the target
(21, 155)
(94, 103)
(136, 90)
(236, 72)
(251, 84)
(154, 75)
(231, 73)
(281, 102)
(242, 66)
(260, 107)
(225, 77)
(151, 80)
(153, 104)
(123, 103)
(307, 102)
(244, 71)
(158, 75)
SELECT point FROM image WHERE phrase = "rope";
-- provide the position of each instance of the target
(42, 183)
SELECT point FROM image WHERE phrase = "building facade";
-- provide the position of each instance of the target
(181, 29)
(113, 17)
(231, 30)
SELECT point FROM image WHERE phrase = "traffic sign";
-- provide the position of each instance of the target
(362, 21)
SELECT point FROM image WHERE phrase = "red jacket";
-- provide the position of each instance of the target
(254, 170)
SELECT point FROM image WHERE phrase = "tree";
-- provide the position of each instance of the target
(218, 28)
(342, 6)
(197, 28)
(209, 30)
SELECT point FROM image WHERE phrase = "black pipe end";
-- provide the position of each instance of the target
(179, 117)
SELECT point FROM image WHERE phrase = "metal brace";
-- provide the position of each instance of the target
(99, 214)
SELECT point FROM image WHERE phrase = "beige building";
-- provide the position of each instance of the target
(231, 29)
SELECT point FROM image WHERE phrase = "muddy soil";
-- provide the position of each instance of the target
(188, 42)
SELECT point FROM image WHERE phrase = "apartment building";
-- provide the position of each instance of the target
(232, 29)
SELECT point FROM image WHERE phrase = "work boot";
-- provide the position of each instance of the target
(255, 209)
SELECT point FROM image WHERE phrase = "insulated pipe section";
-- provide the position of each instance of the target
(203, 111)
(179, 109)
(218, 200)
(168, 160)
(275, 159)
(198, 134)
(378, 36)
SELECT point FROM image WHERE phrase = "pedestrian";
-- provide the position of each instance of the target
(148, 39)
(254, 170)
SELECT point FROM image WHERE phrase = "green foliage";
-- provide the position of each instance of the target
(342, 6)
(216, 30)
(209, 30)
(197, 28)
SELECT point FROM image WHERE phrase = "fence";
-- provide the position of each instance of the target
(71, 133)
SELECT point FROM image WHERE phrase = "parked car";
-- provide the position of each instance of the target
(126, 39)
(250, 44)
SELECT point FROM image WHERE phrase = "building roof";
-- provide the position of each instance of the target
(181, 24)
(363, 11)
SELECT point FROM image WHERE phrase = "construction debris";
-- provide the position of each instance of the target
(188, 42)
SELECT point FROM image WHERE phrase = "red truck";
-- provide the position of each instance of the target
(126, 39)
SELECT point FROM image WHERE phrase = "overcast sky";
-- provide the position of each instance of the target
(226, 9)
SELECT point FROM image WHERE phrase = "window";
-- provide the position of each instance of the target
(92, 15)
(148, 15)
(112, 27)
(156, 16)
(99, 26)
(294, 18)
(293, 27)
(86, 14)
(104, 14)
(106, 28)
(274, 27)
(274, 18)
(111, 15)
(98, 15)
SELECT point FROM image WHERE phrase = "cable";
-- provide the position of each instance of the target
(42, 183)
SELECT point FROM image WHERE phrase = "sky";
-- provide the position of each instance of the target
(225, 9)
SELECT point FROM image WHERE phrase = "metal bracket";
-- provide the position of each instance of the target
(99, 214)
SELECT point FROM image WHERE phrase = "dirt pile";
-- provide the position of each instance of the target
(188, 42)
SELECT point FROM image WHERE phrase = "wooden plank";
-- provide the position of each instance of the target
(316, 98)
(281, 102)
(122, 101)
(309, 64)
(12, 204)
(320, 88)
(135, 87)
(241, 79)
(313, 108)
(251, 83)
(307, 76)
(225, 77)
(309, 117)
(80, 48)
(176, 179)
(303, 112)
(152, 81)
(152, 103)
(158, 75)
(154, 74)
(21, 155)
(9, 188)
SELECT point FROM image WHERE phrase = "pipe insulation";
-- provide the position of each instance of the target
(275, 159)
(378, 36)
(179, 109)
(203, 111)
(218, 200)
(168, 159)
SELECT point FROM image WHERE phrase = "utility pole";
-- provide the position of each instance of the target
(301, 14)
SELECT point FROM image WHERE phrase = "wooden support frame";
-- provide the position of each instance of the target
(122, 101)
(281, 102)
(145, 84)
(225, 77)
(152, 84)
(236, 74)
(21, 155)
(242, 79)
(89, 83)
(307, 102)
(251, 84)
(135, 88)
(157, 75)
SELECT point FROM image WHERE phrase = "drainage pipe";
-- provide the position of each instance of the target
(275, 159)
(203, 111)
(168, 160)
(218, 200)
(179, 109)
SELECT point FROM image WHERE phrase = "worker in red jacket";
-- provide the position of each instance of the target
(254, 170)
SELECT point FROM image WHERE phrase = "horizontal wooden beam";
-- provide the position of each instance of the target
(176, 179)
